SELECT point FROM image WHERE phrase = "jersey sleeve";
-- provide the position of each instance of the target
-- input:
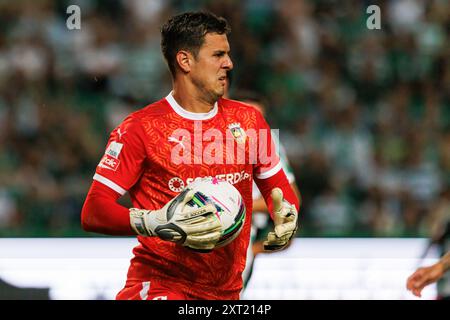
(268, 160)
(122, 163)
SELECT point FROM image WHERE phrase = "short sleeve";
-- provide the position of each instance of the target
(123, 161)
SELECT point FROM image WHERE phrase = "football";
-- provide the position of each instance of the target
(228, 201)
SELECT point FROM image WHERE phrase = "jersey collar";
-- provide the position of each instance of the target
(187, 114)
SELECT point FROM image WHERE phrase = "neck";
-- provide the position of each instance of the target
(190, 99)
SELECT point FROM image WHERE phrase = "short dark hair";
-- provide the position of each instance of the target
(187, 31)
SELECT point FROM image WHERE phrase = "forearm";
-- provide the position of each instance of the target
(445, 261)
(259, 205)
(102, 214)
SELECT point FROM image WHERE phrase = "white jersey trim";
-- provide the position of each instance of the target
(109, 184)
(190, 115)
(269, 173)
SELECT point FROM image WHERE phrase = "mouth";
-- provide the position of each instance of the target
(223, 78)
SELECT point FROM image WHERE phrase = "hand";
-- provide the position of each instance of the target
(198, 229)
(285, 219)
(423, 277)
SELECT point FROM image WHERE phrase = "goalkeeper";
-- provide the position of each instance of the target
(151, 156)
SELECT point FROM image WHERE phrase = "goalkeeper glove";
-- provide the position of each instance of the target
(196, 228)
(285, 219)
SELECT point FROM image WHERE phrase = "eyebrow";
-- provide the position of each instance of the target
(220, 52)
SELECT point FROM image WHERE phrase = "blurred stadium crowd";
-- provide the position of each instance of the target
(363, 114)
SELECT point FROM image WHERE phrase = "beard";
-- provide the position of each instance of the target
(208, 92)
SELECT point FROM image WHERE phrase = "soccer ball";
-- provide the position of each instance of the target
(228, 201)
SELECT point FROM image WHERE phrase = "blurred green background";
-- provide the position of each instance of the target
(364, 115)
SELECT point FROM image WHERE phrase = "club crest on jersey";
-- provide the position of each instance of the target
(238, 133)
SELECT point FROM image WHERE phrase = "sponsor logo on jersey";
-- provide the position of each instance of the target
(180, 142)
(109, 162)
(176, 184)
(120, 133)
(114, 149)
(238, 133)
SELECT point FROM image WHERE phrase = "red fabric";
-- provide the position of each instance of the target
(151, 290)
(161, 290)
(144, 156)
(101, 213)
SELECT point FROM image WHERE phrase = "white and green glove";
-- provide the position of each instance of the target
(196, 228)
(285, 219)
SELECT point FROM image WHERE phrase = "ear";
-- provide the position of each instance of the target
(184, 60)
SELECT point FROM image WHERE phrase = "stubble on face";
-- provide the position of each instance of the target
(209, 73)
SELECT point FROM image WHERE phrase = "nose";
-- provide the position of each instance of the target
(227, 64)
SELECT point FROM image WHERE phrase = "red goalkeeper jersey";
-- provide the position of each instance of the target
(156, 151)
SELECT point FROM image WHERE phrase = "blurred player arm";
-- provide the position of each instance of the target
(427, 275)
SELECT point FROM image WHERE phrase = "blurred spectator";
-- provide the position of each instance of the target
(364, 114)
